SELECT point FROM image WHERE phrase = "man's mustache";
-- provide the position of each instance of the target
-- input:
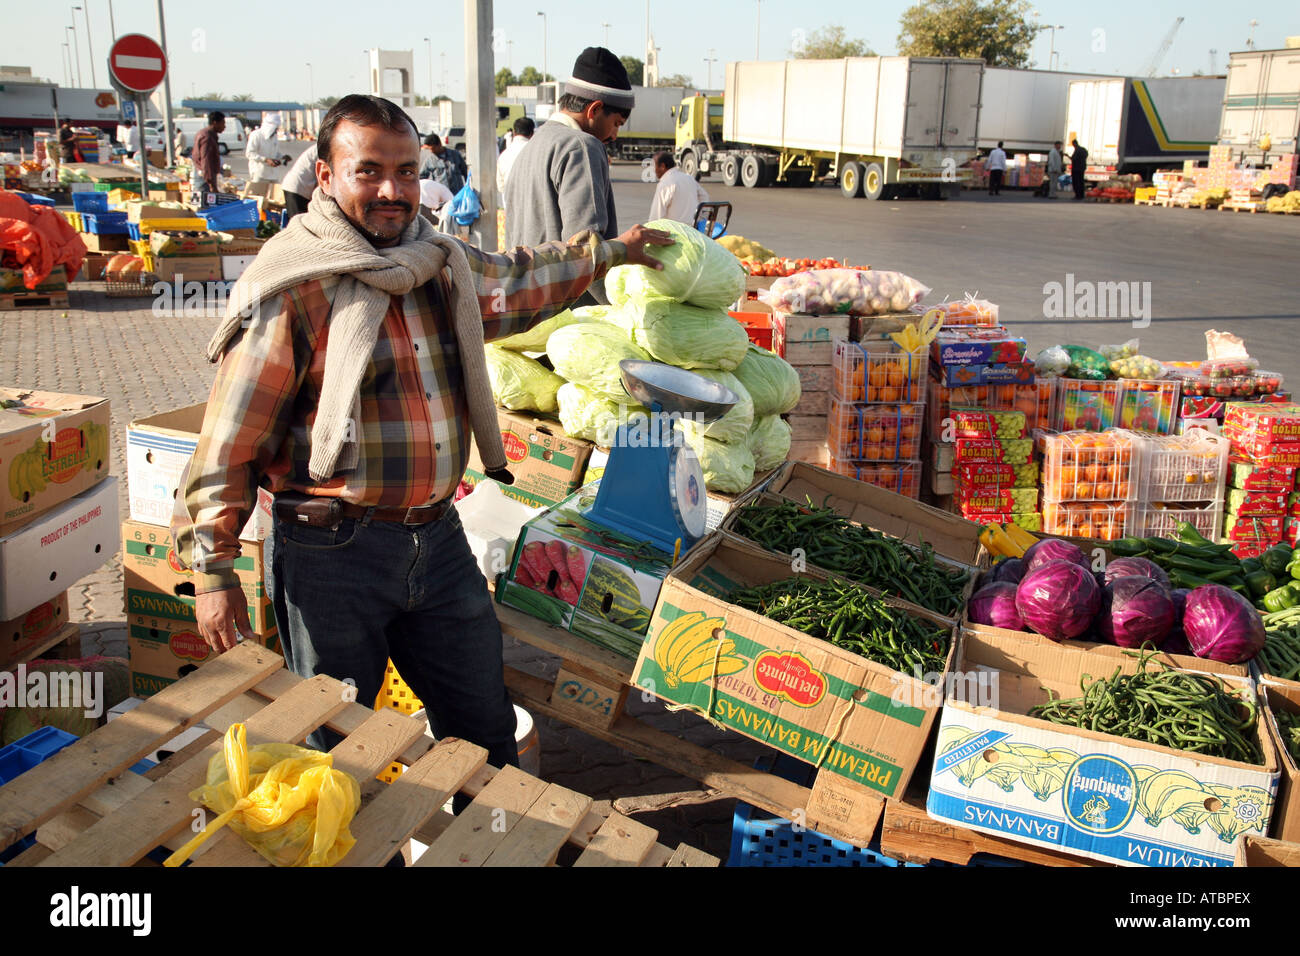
(400, 204)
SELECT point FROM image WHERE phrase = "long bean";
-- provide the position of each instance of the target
(1185, 711)
(848, 617)
(831, 541)
(1280, 655)
(1289, 724)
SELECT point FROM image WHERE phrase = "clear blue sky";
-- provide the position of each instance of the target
(241, 46)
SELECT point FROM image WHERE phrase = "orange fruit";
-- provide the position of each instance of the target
(875, 433)
(1083, 490)
(1102, 490)
(896, 376)
(1093, 472)
(890, 395)
(879, 375)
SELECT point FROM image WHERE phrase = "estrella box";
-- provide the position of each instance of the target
(863, 724)
(1123, 801)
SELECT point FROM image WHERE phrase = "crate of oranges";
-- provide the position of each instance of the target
(878, 372)
(1089, 466)
(903, 478)
(873, 432)
(1100, 520)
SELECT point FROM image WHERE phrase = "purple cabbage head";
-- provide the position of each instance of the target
(1053, 549)
(995, 604)
(1222, 625)
(1058, 599)
(1011, 570)
(1123, 567)
(1135, 610)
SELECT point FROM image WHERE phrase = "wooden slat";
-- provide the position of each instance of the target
(483, 825)
(620, 842)
(79, 769)
(31, 856)
(391, 819)
(362, 754)
(55, 834)
(125, 836)
(689, 856)
(537, 839)
(658, 856)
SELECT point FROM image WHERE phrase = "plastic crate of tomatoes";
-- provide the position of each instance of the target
(903, 478)
(1101, 520)
(1088, 466)
(780, 268)
(878, 373)
(874, 432)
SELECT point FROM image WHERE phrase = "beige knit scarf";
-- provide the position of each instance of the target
(322, 243)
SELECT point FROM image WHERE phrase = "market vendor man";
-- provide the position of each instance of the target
(560, 185)
(351, 375)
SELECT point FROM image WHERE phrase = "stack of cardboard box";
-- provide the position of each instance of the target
(807, 342)
(162, 633)
(58, 513)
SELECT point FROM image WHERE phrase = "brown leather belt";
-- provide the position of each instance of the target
(407, 516)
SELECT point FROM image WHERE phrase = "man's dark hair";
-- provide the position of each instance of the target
(433, 139)
(569, 103)
(665, 159)
(216, 116)
(364, 110)
(524, 126)
(999, 144)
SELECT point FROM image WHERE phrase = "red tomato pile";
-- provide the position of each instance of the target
(788, 267)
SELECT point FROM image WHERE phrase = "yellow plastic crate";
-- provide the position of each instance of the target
(1144, 192)
(118, 196)
(140, 247)
(172, 225)
(74, 219)
(394, 693)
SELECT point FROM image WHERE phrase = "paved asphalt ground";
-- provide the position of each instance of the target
(1206, 269)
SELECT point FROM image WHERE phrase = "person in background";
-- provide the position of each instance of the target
(435, 199)
(1055, 167)
(132, 143)
(997, 167)
(678, 195)
(205, 160)
(300, 182)
(263, 151)
(1078, 166)
(178, 143)
(560, 185)
(441, 164)
(523, 133)
(67, 142)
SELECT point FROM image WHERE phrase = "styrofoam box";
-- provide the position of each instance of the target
(232, 267)
(157, 452)
(58, 549)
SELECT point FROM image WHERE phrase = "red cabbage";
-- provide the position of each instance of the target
(1222, 625)
(1011, 570)
(1058, 599)
(1123, 567)
(995, 604)
(1054, 549)
(1134, 610)
(1176, 641)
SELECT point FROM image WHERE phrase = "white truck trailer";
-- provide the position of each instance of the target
(1025, 109)
(1261, 110)
(884, 126)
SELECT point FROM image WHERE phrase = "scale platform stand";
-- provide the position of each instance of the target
(653, 486)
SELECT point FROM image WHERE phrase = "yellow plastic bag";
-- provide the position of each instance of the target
(288, 803)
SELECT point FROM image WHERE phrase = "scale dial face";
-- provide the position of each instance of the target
(686, 485)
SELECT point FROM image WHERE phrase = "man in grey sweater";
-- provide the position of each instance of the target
(560, 185)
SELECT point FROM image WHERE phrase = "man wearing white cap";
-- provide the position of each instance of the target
(560, 185)
(263, 151)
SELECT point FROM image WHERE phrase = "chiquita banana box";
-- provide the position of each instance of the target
(1078, 791)
(857, 720)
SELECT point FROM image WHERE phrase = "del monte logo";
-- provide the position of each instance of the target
(188, 646)
(516, 449)
(789, 676)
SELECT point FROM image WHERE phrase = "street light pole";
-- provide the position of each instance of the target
(90, 47)
(112, 28)
(75, 49)
(758, 14)
(710, 60)
(443, 55)
(1052, 52)
(67, 64)
(606, 26)
(168, 145)
(544, 70)
(429, 43)
(311, 87)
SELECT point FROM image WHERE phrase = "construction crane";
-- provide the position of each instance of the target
(1165, 44)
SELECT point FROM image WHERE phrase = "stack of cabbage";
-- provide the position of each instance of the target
(676, 316)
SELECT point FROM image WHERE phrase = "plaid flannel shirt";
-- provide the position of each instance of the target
(414, 431)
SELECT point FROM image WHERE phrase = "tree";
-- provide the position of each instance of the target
(439, 98)
(505, 78)
(635, 69)
(675, 79)
(1000, 31)
(213, 96)
(829, 43)
(531, 76)
(421, 100)
(242, 98)
(326, 102)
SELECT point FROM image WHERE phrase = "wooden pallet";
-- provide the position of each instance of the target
(87, 809)
(1188, 204)
(1243, 206)
(19, 301)
(908, 833)
(1108, 199)
(590, 693)
(1150, 202)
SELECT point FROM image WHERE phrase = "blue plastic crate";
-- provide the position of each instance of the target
(133, 231)
(105, 223)
(235, 215)
(90, 202)
(34, 200)
(22, 755)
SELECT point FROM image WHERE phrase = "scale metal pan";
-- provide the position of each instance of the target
(676, 390)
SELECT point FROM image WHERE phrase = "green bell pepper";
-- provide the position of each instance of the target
(1260, 583)
(1251, 565)
(1279, 599)
(1276, 559)
(1293, 567)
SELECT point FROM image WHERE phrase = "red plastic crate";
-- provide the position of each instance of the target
(758, 326)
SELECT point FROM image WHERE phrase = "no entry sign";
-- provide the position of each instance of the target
(137, 63)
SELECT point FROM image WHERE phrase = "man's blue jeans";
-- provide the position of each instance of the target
(347, 600)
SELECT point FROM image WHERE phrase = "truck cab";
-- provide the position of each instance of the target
(698, 131)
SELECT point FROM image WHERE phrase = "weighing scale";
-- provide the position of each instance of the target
(653, 485)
